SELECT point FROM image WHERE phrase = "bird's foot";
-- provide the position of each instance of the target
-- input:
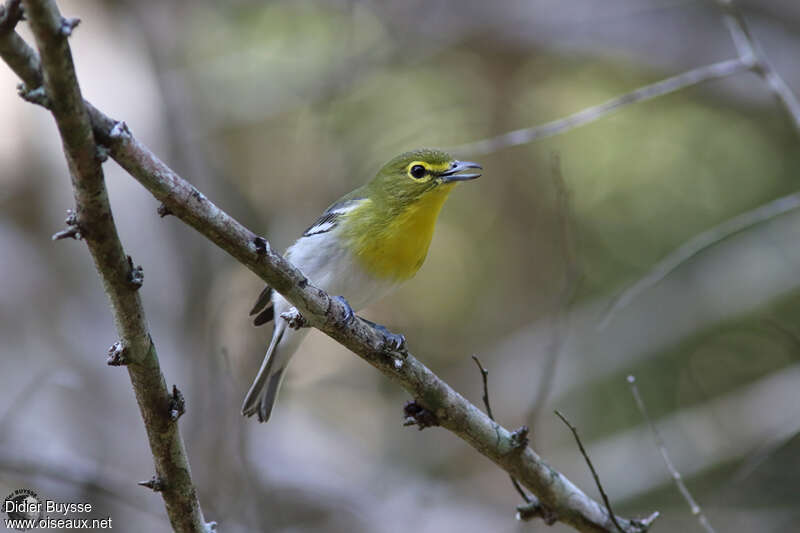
(392, 342)
(349, 314)
(294, 319)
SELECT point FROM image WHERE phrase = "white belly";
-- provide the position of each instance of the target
(333, 269)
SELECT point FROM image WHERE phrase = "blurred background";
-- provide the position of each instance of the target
(275, 109)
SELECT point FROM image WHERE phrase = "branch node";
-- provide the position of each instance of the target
(294, 319)
(117, 355)
(519, 438)
(135, 275)
(73, 230)
(177, 404)
(261, 245)
(35, 96)
(643, 524)
(530, 510)
(163, 210)
(120, 131)
(102, 152)
(155, 483)
(417, 415)
(67, 25)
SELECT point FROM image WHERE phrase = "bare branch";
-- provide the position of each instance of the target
(699, 243)
(714, 71)
(94, 218)
(750, 52)
(591, 467)
(676, 476)
(570, 504)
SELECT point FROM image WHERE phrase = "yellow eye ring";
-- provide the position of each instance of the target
(417, 171)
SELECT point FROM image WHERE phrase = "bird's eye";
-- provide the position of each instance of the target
(417, 171)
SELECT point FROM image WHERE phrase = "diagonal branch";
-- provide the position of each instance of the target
(702, 74)
(751, 57)
(94, 220)
(452, 410)
(662, 449)
(699, 243)
(591, 468)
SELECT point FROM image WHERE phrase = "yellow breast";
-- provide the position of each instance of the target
(396, 249)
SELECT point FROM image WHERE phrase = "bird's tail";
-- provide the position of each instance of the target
(264, 391)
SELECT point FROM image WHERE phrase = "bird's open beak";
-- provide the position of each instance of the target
(456, 172)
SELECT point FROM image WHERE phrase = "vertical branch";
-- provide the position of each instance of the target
(559, 317)
(676, 476)
(94, 222)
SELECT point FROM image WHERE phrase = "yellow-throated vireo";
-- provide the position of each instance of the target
(362, 247)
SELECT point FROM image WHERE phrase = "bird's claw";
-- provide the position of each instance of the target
(349, 314)
(294, 319)
(394, 342)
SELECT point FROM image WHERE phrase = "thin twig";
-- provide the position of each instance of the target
(699, 243)
(93, 216)
(702, 74)
(591, 467)
(676, 476)
(750, 51)
(559, 317)
(485, 376)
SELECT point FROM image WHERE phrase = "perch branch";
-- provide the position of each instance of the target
(662, 449)
(93, 217)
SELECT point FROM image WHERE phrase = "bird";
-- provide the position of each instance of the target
(361, 248)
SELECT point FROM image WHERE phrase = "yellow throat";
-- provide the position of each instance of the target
(395, 250)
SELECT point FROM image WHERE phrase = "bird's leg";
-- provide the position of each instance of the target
(294, 319)
(392, 342)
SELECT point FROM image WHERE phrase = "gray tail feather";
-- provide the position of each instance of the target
(264, 391)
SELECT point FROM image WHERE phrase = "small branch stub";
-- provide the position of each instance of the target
(163, 210)
(519, 438)
(294, 319)
(155, 483)
(68, 24)
(528, 511)
(135, 275)
(417, 415)
(73, 231)
(102, 153)
(261, 245)
(177, 404)
(117, 355)
(120, 131)
(36, 96)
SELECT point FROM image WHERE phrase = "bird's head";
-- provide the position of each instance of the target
(414, 175)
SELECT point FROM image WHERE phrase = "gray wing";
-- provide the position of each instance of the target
(332, 216)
